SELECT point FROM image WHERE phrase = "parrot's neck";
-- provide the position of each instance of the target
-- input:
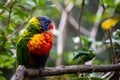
(31, 30)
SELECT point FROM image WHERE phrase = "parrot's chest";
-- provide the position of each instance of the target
(40, 44)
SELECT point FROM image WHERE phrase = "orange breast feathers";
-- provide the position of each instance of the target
(40, 44)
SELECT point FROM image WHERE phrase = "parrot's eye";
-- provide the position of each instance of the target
(46, 23)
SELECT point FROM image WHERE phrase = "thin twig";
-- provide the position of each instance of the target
(9, 16)
(61, 37)
(19, 27)
(79, 22)
(101, 3)
(1, 48)
(71, 19)
(74, 23)
(8, 22)
(8, 3)
(112, 46)
(95, 27)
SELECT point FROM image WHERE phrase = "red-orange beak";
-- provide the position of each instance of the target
(51, 26)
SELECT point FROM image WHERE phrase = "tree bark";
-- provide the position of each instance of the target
(54, 71)
(20, 72)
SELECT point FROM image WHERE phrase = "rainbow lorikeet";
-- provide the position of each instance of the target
(34, 45)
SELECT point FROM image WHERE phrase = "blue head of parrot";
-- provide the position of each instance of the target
(45, 22)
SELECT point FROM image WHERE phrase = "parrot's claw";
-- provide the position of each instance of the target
(41, 70)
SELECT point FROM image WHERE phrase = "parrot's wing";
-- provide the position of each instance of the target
(22, 51)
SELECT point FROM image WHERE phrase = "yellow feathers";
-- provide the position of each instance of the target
(34, 21)
(25, 33)
(36, 41)
(110, 22)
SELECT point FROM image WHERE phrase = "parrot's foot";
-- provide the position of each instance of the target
(41, 70)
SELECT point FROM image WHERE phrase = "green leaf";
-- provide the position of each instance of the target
(86, 41)
(6, 61)
(2, 39)
(1, 72)
(79, 53)
(84, 54)
(27, 4)
(109, 2)
(41, 2)
(80, 78)
(2, 6)
(96, 78)
(2, 32)
(52, 10)
(2, 78)
(116, 34)
(117, 9)
(89, 17)
(35, 1)
(8, 31)
(22, 14)
(115, 39)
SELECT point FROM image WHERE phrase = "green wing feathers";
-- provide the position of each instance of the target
(22, 51)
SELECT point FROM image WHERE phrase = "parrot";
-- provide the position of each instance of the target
(35, 43)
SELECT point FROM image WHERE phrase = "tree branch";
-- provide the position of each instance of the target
(112, 47)
(95, 27)
(8, 3)
(21, 70)
(74, 23)
(79, 22)
(70, 17)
